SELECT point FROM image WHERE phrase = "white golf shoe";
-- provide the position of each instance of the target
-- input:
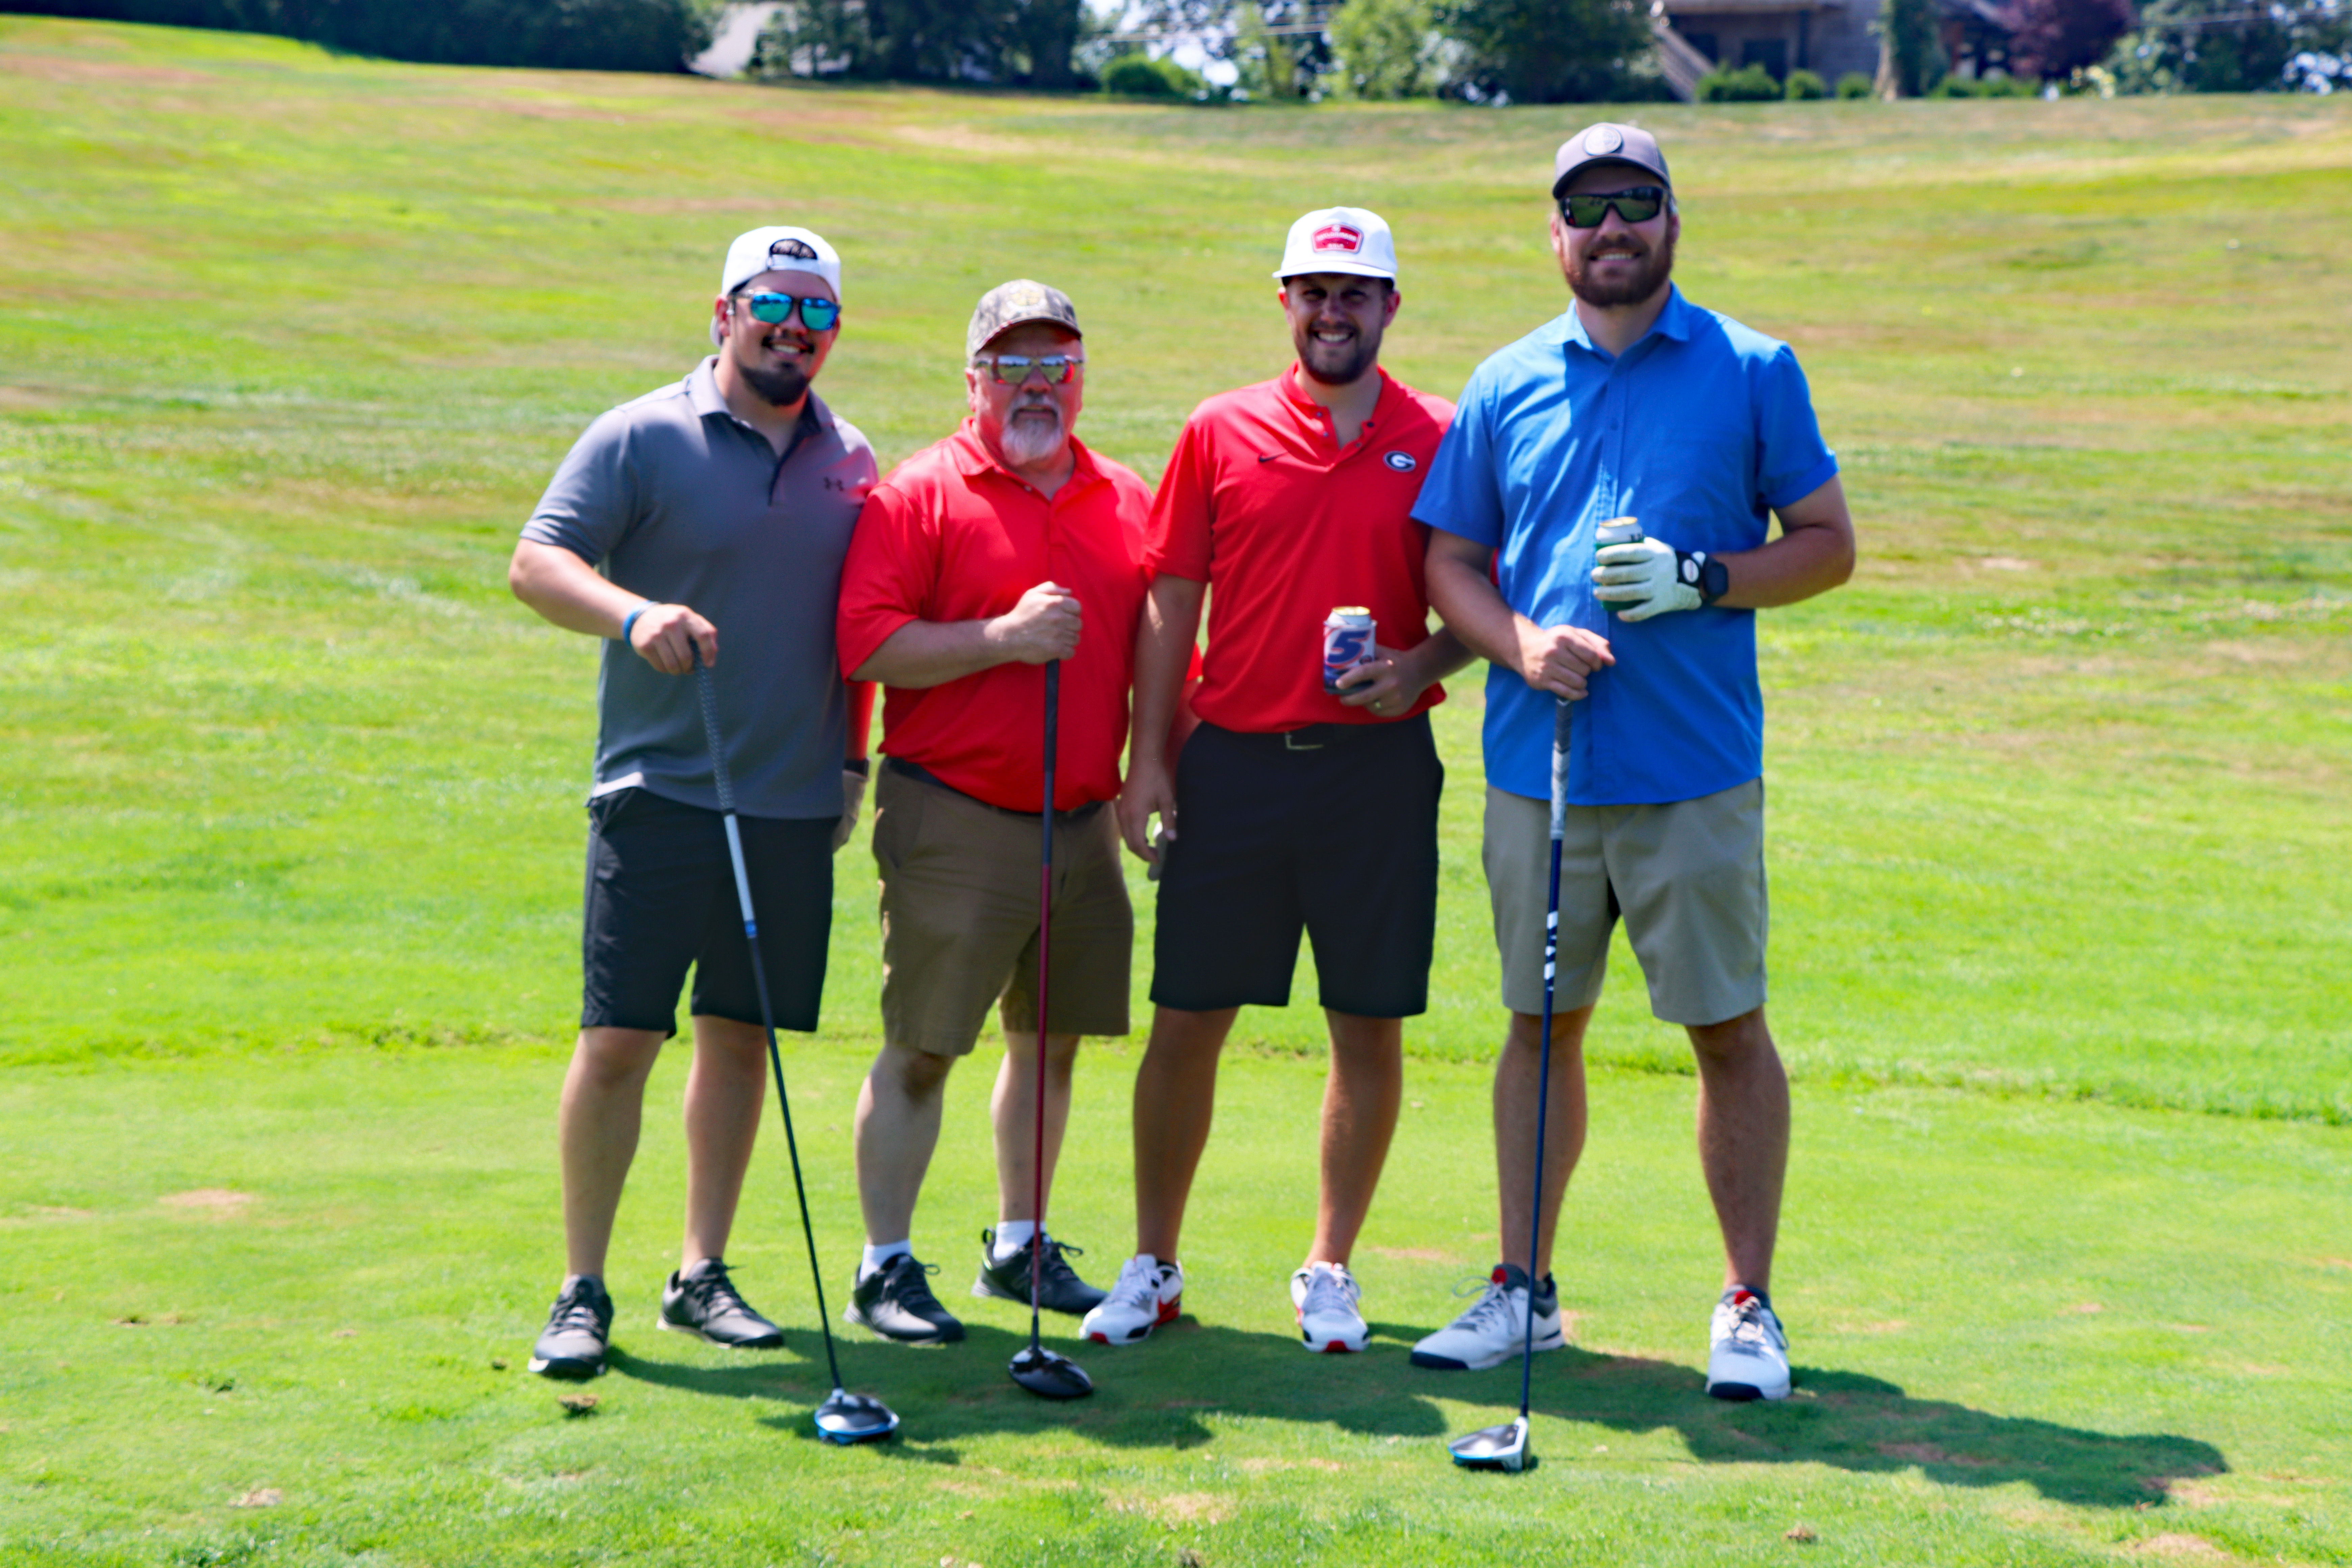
(1495, 1329)
(1149, 1293)
(1325, 1296)
(1748, 1355)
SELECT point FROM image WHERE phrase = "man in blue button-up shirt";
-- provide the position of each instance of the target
(1636, 404)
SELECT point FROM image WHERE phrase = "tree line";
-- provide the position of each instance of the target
(1550, 52)
(572, 35)
(1480, 51)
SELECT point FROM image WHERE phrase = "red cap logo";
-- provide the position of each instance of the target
(1338, 237)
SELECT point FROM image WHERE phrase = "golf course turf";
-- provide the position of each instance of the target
(289, 343)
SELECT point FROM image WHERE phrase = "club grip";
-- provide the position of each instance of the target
(1053, 716)
(1559, 730)
(708, 698)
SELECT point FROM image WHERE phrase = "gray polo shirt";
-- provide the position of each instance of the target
(673, 496)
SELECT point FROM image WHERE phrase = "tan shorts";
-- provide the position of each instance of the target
(960, 918)
(1689, 878)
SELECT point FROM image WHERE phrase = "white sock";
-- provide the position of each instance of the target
(1012, 1236)
(878, 1255)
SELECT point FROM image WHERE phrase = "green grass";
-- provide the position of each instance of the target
(291, 341)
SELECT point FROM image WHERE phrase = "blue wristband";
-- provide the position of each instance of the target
(629, 621)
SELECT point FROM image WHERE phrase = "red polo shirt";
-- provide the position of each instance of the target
(952, 535)
(1262, 503)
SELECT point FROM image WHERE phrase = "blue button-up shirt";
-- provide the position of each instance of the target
(1697, 430)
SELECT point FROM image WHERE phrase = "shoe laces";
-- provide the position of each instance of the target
(1752, 1324)
(1492, 1310)
(576, 1309)
(911, 1280)
(1330, 1288)
(1138, 1283)
(1058, 1255)
(713, 1291)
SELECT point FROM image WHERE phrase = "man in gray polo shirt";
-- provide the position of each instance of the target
(718, 507)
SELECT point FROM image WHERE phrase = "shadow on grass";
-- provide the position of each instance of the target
(1161, 1394)
(1863, 1424)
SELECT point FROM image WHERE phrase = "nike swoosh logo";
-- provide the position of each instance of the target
(1267, 456)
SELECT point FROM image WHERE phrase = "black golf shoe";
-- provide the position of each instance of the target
(579, 1326)
(896, 1301)
(1059, 1288)
(704, 1302)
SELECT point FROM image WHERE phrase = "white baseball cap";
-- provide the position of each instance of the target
(781, 248)
(1339, 239)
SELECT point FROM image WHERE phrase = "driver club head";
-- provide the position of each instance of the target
(1048, 1375)
(848, 1418)
(1495, 1448)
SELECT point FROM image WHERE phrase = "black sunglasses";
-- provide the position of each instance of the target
(1638, 204)
(817, 315)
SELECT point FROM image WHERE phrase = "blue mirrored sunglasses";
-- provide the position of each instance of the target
(816, 314)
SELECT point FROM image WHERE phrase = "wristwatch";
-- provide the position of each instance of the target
(1713, 581)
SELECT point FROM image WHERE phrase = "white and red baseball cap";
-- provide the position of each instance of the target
(1339, 239)
(780, 248)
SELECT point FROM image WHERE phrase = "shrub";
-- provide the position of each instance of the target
(1750, 84)
(1140, 76)
(1854, 84)
(1805, 84)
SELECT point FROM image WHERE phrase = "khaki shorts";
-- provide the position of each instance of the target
(960, 918)
(1688, 876)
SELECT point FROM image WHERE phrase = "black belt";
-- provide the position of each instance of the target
(1321, 737)
(923, 775)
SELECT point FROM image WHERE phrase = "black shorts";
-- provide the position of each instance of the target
(661, 896)
(1332, 829)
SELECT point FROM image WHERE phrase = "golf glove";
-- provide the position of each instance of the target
(1649, 577)
(853, 797)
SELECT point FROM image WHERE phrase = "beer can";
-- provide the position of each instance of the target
(1347, 643)
(1617, 530)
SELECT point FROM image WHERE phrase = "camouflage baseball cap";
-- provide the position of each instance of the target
(1013, 304)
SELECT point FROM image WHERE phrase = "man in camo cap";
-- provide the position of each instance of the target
(977, 562)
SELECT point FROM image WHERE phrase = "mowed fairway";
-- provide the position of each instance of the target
(289, 905)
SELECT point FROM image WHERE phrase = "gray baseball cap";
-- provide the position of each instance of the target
(1015, 305)
(1607, 142)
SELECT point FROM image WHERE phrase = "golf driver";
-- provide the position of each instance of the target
(1042, 1372)
(843, 1417)
(1506, 1447)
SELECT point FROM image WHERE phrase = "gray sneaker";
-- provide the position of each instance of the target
(896, 1301)
(704, 1302)
(1059, 1288)
(579, 1326)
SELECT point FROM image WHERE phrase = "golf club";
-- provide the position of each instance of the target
(1506, 1447)
(1044, 1372)
(843, 1417)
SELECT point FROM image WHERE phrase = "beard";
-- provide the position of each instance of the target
(1336, 364)
(784, 385)
(780, 388)
(1032, 434)
(1654, 271)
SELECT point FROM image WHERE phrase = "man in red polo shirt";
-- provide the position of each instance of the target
(1293, 807)
(978, 561)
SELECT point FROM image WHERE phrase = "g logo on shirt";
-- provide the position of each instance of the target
(1402, 462)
